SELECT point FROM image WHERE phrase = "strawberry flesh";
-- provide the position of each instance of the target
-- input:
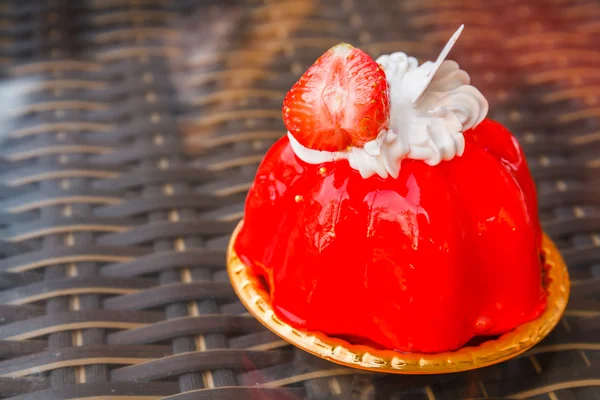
(340, 102)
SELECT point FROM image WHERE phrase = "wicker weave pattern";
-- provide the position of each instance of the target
(132, 130)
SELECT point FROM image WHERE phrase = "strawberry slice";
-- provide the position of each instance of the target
(341, 101)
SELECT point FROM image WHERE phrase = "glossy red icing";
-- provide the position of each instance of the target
(422, 263)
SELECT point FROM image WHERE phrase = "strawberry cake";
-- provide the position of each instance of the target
(394, 214)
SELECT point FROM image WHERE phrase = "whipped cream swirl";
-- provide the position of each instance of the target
(428, 116)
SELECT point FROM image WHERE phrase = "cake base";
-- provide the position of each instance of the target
(257, 301)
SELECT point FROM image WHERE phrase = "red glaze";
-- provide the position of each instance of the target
(420, 263)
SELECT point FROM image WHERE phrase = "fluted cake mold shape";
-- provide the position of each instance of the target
(509, 345)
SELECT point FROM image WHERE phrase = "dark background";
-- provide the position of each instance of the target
(131, 131)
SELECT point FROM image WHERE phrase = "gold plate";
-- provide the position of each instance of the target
(509, 345)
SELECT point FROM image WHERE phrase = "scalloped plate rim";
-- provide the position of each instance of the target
(493, 351)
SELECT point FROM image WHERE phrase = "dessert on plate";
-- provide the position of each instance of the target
(394, 215)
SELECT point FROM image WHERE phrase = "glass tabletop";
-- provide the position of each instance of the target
(132, 129)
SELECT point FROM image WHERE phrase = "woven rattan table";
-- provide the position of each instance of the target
(131, 131)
